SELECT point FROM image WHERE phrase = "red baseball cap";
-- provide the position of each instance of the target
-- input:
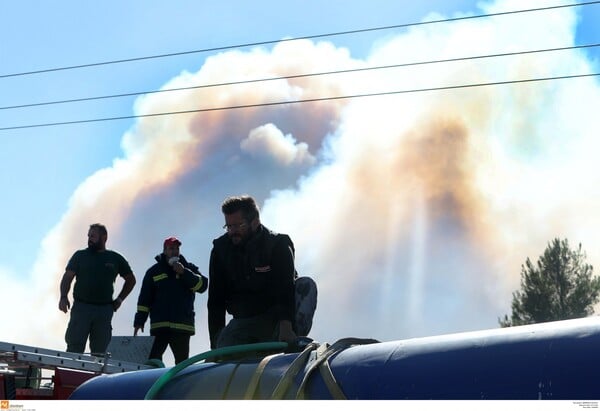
(171, 241)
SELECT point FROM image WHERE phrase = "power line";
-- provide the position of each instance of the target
(278, 103)
(262, 43)
(78, 100)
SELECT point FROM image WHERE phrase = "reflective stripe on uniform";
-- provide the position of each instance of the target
(175, 326)
(143, 309)
(198, 285)
(160, 277)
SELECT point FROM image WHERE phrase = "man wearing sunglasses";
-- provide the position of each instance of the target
(251, 276)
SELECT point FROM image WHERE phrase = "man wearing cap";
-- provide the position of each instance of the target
(94, 270)
(168, 292)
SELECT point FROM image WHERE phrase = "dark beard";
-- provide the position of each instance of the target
(93, 246)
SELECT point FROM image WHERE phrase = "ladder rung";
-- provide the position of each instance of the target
(35, 355)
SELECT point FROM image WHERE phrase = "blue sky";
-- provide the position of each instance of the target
(44, 166)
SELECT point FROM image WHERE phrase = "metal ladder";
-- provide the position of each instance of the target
(14, 355)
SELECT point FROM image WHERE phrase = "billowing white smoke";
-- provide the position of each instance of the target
(413, 212)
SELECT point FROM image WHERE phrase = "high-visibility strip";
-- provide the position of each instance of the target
(198, 285)
(174, 326)
(143, 309)
(159, 277)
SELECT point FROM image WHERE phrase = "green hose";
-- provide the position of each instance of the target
(234, 349)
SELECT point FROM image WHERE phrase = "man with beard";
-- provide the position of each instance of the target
(168, 292)
(251, 276)
(96, 270)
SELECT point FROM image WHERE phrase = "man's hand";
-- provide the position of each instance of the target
(286, 333)
(65, 284)
(64, 304)
(178, 267)
(117, 303)
(137, 328)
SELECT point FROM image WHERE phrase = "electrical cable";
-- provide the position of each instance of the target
(295, 76)
(261, 43)
(278, 103)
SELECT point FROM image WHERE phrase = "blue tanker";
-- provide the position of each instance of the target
(550, 361)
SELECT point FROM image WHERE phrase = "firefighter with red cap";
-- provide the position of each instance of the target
(167, 295)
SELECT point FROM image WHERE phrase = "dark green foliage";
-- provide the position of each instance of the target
(559, 287)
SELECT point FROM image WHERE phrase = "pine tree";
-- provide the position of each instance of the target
(560, 286)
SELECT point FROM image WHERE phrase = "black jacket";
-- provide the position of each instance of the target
(251, 279)
(169, 298)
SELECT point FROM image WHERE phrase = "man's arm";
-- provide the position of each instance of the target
(144, 302)
(190, 275)
(286, 331)
(216, 300)
(125, 291)
(284, 271)
(65, 285)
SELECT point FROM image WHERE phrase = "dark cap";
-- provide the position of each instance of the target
(171, 241)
